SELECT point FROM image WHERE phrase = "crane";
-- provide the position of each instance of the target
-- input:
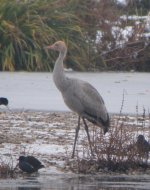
(80, 96)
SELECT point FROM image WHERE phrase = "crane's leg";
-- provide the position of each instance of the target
(87, 131)
(76, 136)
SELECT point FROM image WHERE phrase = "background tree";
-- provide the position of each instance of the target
(98, 34)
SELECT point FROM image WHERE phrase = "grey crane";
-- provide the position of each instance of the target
(80, 96)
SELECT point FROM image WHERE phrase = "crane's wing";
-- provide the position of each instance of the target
(83, 98)
(93, 102)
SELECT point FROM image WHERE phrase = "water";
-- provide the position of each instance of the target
(77, 182)
(37, 91)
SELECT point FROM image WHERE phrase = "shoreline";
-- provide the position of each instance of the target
(19, 110)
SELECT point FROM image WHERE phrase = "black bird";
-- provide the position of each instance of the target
(143, 146)
(3, 101)
(29, 164)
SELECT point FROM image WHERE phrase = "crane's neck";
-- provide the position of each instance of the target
(59, 77)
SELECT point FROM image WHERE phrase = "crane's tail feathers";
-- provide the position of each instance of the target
(99, 121)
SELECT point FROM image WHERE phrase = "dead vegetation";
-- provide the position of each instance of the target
(114, 152)
(118, 151)
(6, 167)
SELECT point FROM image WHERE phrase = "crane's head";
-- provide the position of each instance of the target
(58, 46)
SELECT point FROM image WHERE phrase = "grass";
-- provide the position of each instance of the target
(26, 27)
(7, 169)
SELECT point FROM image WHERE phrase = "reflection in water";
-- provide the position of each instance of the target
(29, 188)
(30, 183)
(84, 182)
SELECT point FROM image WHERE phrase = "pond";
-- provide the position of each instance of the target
(78, 182)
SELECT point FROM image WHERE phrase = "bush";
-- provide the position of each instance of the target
(117, 151)
(93, 31)
(27, 26)
(6, 167)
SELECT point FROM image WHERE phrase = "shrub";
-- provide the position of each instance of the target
(115, 152)
(6, 167)
(27, 26)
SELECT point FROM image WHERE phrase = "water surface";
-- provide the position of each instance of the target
(78, 182)
(37, 91)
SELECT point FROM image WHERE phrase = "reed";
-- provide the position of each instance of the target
(27, 26)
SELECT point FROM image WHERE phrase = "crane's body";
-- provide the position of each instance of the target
(90, 106)
(80, 96)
